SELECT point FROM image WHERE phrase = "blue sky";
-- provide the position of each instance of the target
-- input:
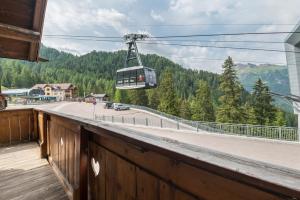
(117, 17)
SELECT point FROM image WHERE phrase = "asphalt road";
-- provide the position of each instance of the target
(284, 154)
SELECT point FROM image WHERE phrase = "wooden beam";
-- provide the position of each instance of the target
(17, 33)
(38, 22)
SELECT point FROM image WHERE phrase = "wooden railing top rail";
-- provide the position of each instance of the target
(251, 172)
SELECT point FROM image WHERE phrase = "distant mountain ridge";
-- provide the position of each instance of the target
(275, 76)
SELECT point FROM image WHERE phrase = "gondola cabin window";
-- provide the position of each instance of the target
(135, 78)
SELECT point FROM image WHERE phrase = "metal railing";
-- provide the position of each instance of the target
(164, 120)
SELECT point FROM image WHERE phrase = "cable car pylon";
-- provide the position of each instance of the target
(136, 77)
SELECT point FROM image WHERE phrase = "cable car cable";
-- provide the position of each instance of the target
(205, 41)
(179, 36)
(219, 47)
(226, 34)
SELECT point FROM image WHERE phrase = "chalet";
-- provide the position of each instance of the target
(62, 91)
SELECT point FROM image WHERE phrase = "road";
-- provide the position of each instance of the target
(279, 153)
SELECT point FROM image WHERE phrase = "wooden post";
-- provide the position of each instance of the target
(84, 161)
(42, 127)
(35, 125)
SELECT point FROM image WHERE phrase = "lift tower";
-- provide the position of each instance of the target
(133, 52)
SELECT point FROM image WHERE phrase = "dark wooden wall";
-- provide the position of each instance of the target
(131, 169)
(16, 126)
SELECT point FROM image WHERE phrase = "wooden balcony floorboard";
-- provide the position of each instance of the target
(24, 175)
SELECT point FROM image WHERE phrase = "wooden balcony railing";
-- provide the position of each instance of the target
(17, 126)
(98, 161)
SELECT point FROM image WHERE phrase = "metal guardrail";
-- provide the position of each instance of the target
(169, 121)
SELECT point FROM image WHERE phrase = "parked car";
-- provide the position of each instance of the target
(109, 105)
(119, 107)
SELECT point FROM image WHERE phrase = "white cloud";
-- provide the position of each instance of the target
(156, 17)
(111, 18)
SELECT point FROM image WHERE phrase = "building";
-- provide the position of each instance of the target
(96, 97)
(24, 92)
(292, 47)
(62, 91)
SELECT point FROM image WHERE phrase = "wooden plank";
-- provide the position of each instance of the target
(26, 176)
(17, 13)
(17, 33)
(35, 124)
(15, 129)
(24, 127)
(97, 182)
(71, 157)
(4, 131)
(38, 22)
(84, 157)
(120, 178)
(68, 154)
(42, 125)
(168, 192)
(147, 186)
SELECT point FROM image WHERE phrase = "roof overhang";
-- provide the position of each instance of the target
(21, 25)
(294, 37)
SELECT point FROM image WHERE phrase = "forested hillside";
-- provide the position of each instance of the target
(95, 72)
(191, 94)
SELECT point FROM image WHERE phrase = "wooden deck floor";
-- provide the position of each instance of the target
(23, 175)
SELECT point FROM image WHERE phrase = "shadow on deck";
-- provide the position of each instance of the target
(24, 175)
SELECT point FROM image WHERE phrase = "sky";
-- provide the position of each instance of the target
(106, 18)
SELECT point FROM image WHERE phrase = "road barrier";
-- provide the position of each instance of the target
(173, 122)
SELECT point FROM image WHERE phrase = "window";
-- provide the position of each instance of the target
(140, 75)
(120, 78)
(126, 77)
(133, 77)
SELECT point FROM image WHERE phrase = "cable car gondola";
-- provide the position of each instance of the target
(137, 77)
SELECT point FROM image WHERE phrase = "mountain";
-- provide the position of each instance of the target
(95, 72)
(275, 76)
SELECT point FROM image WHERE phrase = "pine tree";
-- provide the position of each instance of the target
(250, 114)
(168, 100)
(153, 98)
(280, 118)
(202, 106)
(138, 97)
(262, 104)
(230, 110)
(185, 110)
(121, 96)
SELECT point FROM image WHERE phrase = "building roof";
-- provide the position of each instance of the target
(21, 25)
(16, 91)
(62, 86)
(97, 95)
(293, 38)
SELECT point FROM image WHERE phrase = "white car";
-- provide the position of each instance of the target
(119, 107)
